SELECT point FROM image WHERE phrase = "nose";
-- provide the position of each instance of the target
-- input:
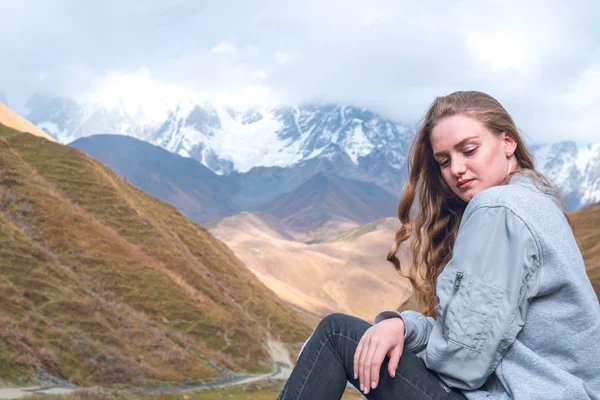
(457, 167)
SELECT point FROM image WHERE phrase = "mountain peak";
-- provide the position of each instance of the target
(324, 197)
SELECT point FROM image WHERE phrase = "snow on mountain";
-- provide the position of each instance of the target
(574, 168)
(229, 140)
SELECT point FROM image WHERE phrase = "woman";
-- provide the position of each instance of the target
(507, 308)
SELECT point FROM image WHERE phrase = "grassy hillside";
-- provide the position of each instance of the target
(587, 227)
(103, 284)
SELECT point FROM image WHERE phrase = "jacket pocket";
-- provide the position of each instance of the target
(470, 307)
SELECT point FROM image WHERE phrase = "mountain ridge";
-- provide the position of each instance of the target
(183, 182)
(326, 197)
(203, 195)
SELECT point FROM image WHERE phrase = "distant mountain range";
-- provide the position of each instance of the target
(284, 147)
(325, 197)
(300, 198)
(357, 143)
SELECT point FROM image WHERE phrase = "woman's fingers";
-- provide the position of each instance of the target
(360, 351)
(376, 362)
(385, 338)
(362, 373)
(395, 355)
(366, 364)
(357, 354)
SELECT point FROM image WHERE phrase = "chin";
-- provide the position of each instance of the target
(468, 196)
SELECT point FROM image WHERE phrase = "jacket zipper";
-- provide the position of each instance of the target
(459, 276)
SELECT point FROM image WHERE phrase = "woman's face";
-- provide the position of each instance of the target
(471, 158)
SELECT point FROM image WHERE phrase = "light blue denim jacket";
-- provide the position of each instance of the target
(518, 317)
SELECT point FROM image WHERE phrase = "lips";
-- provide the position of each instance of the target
(464, 183)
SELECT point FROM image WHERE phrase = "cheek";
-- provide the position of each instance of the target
(493, 168)
(488, 157)
(447, 176)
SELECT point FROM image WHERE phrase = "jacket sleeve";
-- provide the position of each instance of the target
(484, 294)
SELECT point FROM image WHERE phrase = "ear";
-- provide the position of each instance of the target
(510, 145)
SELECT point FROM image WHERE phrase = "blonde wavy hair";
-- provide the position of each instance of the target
(439, 209)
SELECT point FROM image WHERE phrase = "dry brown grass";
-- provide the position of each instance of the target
(587, 228)
(101, 283)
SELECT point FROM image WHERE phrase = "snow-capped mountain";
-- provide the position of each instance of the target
(227, 140)
(224, 139)
(575, 169)
(357, 143)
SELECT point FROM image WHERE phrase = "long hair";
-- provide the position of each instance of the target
(439, 209)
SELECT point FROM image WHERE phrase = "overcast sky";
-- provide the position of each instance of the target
(540, 59)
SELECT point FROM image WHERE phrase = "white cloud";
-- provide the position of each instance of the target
(501, 50)
(537, 57)
(283, 58)
(130, 91)
(584, 93)
(224, 47)
(140, 89)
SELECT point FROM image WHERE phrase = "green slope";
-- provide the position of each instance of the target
(101, 283)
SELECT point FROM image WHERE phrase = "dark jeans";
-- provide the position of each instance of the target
(326, 364)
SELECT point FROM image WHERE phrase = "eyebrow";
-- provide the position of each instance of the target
(456, 146)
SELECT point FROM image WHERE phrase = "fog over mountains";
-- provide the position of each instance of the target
(346, 141)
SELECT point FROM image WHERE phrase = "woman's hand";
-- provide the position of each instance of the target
(384, 338)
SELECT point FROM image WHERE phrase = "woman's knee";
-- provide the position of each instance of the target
(333, 323)
(328, 326)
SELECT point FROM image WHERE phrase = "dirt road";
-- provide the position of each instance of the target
(278, 352)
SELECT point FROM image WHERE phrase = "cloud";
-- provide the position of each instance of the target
(141, 88)
(224, 47)
(539, 58)
(283, 58)
(501, 50)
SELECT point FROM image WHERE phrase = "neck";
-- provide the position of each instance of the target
(513, 165)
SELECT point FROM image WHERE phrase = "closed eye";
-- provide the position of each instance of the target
(445, 162)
